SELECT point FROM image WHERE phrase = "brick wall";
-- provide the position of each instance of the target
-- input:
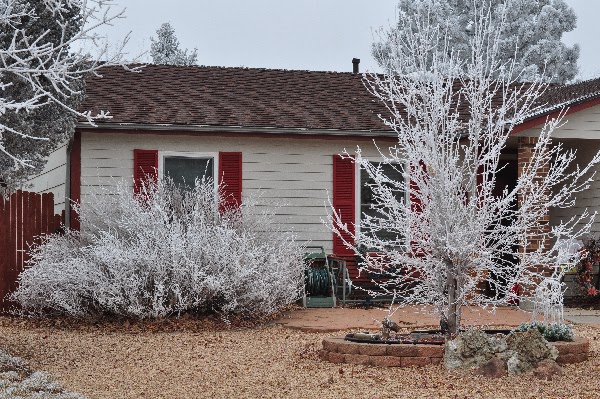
(537, 237)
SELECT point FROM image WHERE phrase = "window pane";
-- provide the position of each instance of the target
(367, 197)
(185, 170)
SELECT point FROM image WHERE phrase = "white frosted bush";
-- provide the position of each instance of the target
(18, 382)
(163, 252)
(10, 363)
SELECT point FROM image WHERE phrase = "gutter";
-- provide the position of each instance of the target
(564, 105)
(234, 129)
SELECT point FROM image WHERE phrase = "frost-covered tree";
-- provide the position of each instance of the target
(531, 34)
(166, 251)
(442, 229)
(165, 49)
(41, 76)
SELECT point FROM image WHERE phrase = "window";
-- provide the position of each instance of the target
(367, 198)
(185, 168)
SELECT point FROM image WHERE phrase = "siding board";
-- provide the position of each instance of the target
(589, 199)
(584, 124)
(52, 178)
(282, 167)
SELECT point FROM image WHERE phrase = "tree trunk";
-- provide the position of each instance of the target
(453, 311)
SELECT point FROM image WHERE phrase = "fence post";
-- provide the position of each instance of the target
(4, 247)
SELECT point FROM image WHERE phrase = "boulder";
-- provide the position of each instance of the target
(495, 368)
(526, 350)
(495, 356)
(547, 369)
(472, 349)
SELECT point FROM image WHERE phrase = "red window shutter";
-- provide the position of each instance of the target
(230, 177)
(145, 166)
(415, 201)
(480, 172)
(344, 200)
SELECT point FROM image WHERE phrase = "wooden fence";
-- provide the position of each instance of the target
(24, 216)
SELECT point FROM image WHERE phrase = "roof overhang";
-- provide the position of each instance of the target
(157, 128)
(566, 109)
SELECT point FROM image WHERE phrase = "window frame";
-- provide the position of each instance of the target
(189, 154)
(358, 193)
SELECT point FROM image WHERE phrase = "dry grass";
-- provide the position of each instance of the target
(196, 360)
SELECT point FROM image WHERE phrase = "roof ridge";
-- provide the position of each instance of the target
(241, 68)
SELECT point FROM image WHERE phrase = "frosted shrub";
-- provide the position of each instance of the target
(18, 382)
(162, 252)
(552, 332)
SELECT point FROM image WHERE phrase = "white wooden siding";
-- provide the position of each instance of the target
(581, 132)
(291, 176)
(584, 124)
(53, 178)
(588, 199)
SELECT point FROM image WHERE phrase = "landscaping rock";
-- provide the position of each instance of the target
(472, 349)
(527, 350)
(492, 356)
(495, 368)
(547, 369)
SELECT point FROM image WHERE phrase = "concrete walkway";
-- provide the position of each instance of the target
(337, 319)
(583, 316)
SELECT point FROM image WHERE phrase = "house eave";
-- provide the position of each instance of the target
(233, 129)
(564, 109)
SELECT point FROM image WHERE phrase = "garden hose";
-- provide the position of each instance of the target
(318, 282)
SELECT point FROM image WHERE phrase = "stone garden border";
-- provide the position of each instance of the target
(338, 350)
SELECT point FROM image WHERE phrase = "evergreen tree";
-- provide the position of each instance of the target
(165, 49)
(42, 78)
(531, 34)
(48, 121)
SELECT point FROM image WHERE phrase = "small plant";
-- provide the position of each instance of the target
(551, 332)
(18, 381)
(590, 255)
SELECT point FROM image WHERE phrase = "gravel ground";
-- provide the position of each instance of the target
(189, 359)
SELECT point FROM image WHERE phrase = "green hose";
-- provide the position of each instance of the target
(318, 282)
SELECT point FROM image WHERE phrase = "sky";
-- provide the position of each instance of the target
(321, 35)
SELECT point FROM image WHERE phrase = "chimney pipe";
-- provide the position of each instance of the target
(355, 62)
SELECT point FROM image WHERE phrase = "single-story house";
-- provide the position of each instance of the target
(277, 132)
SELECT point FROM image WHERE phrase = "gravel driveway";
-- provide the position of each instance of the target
(145, 361)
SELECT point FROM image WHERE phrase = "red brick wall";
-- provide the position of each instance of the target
(537, 238)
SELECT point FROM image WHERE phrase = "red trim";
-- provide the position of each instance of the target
(240, 134)
(230, 177)
(75, 179)
(542, 119)
(145, 166)
(416, 205)
(415, 202)
(344, 200)
(480, 172)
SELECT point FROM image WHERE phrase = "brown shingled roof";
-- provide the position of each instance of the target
(259, 98)
(217, 96)
(559, 96)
